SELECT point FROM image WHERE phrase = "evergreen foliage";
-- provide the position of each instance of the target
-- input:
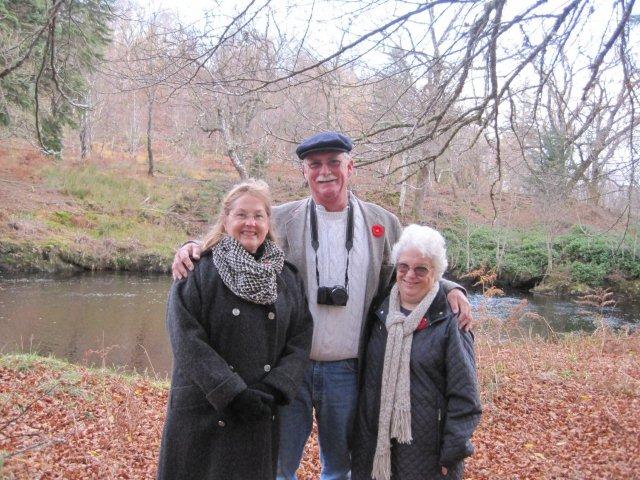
(48, 50)
(520, 257)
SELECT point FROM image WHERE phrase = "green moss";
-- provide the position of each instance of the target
(62, 217)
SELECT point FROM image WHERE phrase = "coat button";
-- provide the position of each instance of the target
(236, 312)
(231, 367)
(221, 423)
(271, 315)
(267, 368)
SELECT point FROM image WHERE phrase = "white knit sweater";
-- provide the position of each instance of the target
(336, 330)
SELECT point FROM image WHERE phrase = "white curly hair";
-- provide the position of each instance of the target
(427, 241)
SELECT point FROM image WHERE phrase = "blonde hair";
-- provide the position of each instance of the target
(255, 188)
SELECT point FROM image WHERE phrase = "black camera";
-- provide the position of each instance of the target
(337, 295)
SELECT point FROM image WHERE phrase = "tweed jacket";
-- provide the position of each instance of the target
(290, 222)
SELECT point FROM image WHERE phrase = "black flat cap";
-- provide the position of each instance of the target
(322, 142)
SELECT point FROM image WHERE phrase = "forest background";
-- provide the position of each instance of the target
(511, 128)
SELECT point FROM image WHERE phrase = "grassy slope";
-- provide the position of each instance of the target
(92, 217)
(108, 214)
(565, 408)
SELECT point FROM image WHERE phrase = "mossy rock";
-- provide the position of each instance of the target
(558, 283)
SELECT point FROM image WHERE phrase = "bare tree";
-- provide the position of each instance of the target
(487, 53)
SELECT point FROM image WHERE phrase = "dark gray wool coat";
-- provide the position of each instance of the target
(445, 405)
(221, 344)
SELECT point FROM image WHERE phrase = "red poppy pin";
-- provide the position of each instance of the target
(424, 323)
(377, 230)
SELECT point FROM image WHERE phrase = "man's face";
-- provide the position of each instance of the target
(328, 175)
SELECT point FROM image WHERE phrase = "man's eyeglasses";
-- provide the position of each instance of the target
(418, 271)
(333, 164)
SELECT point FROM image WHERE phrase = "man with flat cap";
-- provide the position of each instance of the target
(341, 246)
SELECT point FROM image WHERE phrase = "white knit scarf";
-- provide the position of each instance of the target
(395, 400)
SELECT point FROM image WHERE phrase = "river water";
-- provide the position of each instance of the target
(118, 319)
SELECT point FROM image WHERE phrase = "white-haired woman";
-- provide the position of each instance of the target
(419, 402)
(240, 331)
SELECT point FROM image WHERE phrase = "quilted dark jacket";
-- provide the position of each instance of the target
(445, 406)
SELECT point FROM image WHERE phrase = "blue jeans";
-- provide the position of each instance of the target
(331, 388)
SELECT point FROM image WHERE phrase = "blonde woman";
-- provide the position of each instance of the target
(240, 331)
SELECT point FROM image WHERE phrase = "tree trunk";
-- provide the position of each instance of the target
(405, 184)
(549, 253)
(85, 134)
(133, 146)
(420, 194)
(232, 152)
(149, 136)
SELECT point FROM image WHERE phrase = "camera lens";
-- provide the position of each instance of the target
(339, 296)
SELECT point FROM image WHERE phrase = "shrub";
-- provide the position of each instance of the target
(590, 273)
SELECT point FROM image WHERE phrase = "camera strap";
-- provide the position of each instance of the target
(316, 244)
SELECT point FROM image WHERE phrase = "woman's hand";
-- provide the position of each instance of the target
(182, 263)
(251, 405)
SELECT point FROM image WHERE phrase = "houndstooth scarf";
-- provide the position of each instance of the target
(251, 279)
(395, 400)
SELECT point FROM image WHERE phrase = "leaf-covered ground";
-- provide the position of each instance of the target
(552, 409)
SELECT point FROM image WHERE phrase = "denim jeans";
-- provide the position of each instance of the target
(331, 388)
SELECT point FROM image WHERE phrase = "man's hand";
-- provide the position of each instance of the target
(459, 303)
(182, 263)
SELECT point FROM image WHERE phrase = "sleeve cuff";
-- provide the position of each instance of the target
(197, 242)
(448, 285)
(220, 396)
(452, 455)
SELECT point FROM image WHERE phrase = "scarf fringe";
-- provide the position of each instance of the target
(401, 425)
(382, 466)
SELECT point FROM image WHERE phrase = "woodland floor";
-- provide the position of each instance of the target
(559, 408)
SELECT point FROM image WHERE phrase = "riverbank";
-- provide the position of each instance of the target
(109, 215)
(564, 408)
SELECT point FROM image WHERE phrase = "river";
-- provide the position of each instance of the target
(118, 319)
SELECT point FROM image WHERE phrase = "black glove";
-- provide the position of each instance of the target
(278, 396)
(251, 405)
